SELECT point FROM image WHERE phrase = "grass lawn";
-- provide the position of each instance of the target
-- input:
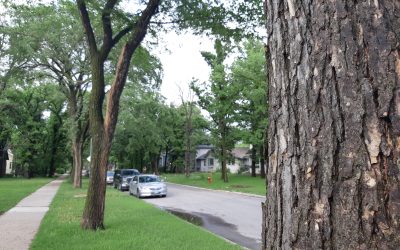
(130, 224)
(237, 183)
(12, 190)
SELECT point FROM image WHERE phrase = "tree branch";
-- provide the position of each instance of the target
(139, 32)
(107, 28)
(87, 26)
(122, 33)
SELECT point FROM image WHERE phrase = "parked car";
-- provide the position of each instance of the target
(110, 177)
(122, 177)
(147, 185)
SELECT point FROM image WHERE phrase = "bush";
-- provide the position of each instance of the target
(60, 171)
(243, 170)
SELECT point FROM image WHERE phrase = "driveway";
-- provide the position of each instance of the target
(234, 216)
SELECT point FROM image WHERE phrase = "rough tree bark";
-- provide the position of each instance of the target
(102, 129)
(334, 133)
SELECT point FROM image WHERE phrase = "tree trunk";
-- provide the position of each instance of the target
(262, 162)
(77, 157)
(224, 172)
(334, 133)
(187, 162)
(93, 213)
(253, 161)
(3, 159)
(165, 159)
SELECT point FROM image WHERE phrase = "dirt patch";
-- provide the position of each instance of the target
(2, 212)
(239, 186)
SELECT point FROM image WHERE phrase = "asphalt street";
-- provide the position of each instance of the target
(236, 217)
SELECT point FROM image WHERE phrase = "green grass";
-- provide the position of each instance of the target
(130, 224)
(237, 183)
(12, 190)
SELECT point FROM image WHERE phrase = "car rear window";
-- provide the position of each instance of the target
(129, 172)
(143, 179)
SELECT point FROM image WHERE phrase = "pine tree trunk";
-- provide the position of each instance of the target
(334, 128)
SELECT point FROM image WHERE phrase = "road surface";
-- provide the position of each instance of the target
(234, 216)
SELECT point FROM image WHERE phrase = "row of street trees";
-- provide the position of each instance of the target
(333, 100)
(51, 49)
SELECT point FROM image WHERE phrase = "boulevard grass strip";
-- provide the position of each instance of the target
(130, 224)
(13, 190)
(237, 183)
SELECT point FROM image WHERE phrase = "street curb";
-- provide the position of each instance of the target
(218, 190)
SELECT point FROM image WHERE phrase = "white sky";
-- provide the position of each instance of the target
(182, 63)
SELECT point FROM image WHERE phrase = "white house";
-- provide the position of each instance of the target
(205, 159)
(9, 162)
(241, 158)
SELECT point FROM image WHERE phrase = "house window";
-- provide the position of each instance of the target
(211, 162)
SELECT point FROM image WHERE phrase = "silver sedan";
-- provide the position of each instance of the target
(147, 185)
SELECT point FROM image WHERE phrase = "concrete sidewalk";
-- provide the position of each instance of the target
(19, 225)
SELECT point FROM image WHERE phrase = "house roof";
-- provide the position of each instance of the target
(240, 152)
(205, 147)
(202, 153)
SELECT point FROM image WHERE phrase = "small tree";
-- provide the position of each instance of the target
(248, 71)
(219, 99)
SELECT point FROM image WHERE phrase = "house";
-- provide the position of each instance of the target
(206, 161)
(241, 158)
(9, 162)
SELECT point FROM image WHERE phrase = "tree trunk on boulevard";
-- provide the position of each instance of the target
(77, 148)
(102, 129)
(334, 128)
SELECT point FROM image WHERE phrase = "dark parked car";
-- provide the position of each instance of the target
(122, 177)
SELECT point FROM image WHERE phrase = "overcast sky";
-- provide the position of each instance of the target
(182, 63)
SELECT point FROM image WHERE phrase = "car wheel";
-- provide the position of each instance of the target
(138, 193)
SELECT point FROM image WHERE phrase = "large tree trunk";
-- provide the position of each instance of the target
(334, 133)
(93, 213)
